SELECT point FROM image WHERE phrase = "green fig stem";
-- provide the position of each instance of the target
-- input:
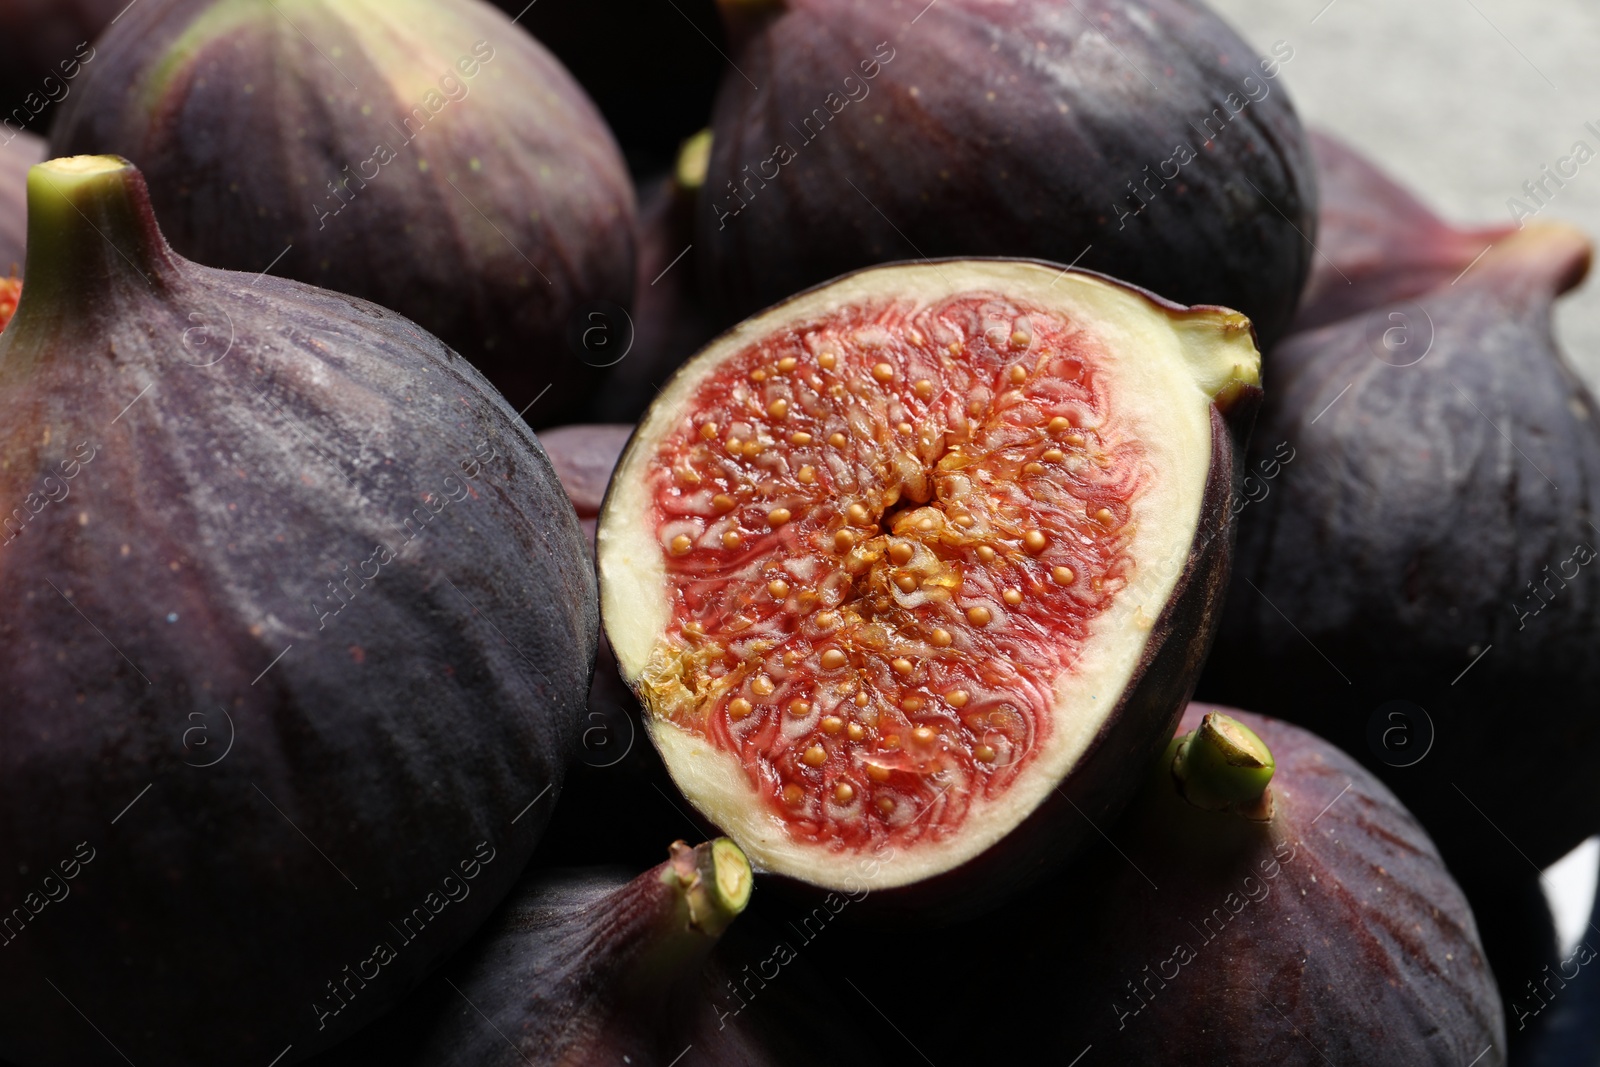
(91, 233)
(694, 160)
(698, 892)
(1224, 766)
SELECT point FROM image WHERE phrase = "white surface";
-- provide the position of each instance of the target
(1463, 101)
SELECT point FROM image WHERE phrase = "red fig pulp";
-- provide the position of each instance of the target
(893, 561)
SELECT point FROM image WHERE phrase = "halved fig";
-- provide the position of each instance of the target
(1378, 243)
(924, 555)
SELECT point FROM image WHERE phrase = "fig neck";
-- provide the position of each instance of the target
(1223, 766)
(92, 237)
(1535, 264)
(676, 913)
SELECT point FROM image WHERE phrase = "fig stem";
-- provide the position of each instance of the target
(715, 880)
(91, 230)
(1223, 766)
(694, 160)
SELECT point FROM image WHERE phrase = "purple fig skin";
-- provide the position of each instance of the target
(1331, 933)
(265, 774)
(16, 156)
(495, 221)
(1005, 130)
(591, 967)
(584, 457)
(1426, 539)
(1378, 243)
(1342, 936)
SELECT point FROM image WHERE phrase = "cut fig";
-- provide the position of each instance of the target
(1315, 925)
(299, 626)
(1377, 243)
(427, 155)
(1147, 141)
(923, 555)
(1416, 577)
(594, 967)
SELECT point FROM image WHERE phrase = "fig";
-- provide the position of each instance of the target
(1415, 540)
(671, 322)
(299, 623)
(1147, 142)
(588, 966)
(422, 154)
(924, 555)
(654, 81)
(1310, 923)
(1377, 244)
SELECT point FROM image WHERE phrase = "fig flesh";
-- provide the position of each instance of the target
(923, 555)
(444, 165)
(1145, 141)
(589, 966)
(1377, 243)
(299, 617)
(1414, 549)
(1319, 927)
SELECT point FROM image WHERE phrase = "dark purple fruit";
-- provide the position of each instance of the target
(652, 67)
(1377, 243)
(671, 322)
(1314, 924)
(299, 622)
(1416, 568)
(423, 154)
(909, 566)
(591, 967)
(1147, 142)
(44, 46)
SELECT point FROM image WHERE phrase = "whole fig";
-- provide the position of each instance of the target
(427, 155)
(16, 156)
(1414, 576)
(1143, 141)
(299, 626)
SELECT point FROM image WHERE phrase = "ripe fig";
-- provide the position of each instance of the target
(671, 322)
(299, 619)
(1414, 579)
(654, 81)
(424, 154)
(1312, 923)
(592, 967)
(16, 156)
(1377, 243)
(1147, 142)
(924, 557)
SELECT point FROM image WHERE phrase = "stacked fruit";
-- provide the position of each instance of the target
(313, 738)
